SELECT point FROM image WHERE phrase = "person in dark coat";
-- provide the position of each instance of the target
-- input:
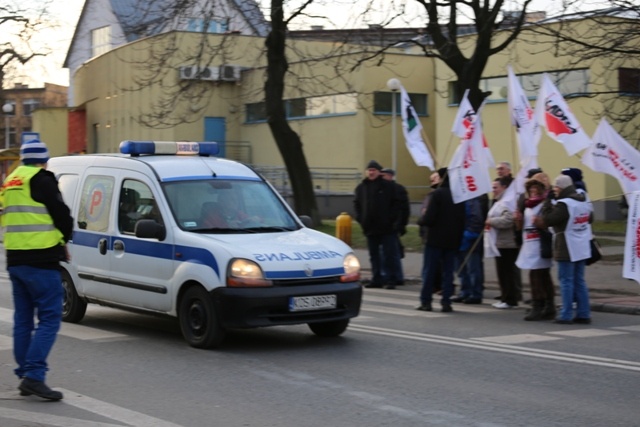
(403, 220)
(377, 208)
(445, 226)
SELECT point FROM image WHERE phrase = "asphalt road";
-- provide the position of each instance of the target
(395, 366)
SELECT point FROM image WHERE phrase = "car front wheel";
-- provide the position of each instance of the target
(198, 321)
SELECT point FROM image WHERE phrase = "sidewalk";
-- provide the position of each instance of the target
(608, 290)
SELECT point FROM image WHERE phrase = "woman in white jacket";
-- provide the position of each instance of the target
(530, 256)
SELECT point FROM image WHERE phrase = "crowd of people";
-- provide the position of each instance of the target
(550, 221)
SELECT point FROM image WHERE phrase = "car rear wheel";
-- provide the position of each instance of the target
(73, 307)
(198, 321)
(329, 329)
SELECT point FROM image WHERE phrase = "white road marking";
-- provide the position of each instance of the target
(517, 339)
(586, 333)
(501, 348)
(634, 328)
(401, 312)
(86, 403)
(6, 342)
(71, 330)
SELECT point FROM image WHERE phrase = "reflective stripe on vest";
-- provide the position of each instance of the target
(28, 224)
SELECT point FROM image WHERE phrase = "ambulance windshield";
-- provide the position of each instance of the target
(227, 206)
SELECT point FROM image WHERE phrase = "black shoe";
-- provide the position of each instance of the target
(563, 322)
(39, 388)
(390, 286)
(458, 299)
(373, 285)
(446, 309)
(424, 307)
(582, 320)
(472, 301)
(400, 283)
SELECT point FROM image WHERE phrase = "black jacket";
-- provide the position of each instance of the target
(377, 206)
(445, 220)
(44, 189)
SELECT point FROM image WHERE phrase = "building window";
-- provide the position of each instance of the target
(28, 105)
(629, 81)
(316, 106)
(100, 40)
(569, 83)
(382, 103)
(256, 112)
(200, 25)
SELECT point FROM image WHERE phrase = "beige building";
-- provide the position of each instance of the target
(341, 112)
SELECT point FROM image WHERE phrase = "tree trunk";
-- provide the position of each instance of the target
(288, 142)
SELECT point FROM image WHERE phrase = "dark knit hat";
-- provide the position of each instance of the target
(533, 171)
(374, 165)
(576, 176)
(34, 152)
(389, 171)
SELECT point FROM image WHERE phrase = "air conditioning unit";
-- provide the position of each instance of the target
(193, 72)
(188, 72)
(229, 73)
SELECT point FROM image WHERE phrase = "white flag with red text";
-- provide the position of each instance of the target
(611, 154)
(412, 129)
(528, 130)
(554, 114)
(631, 263)
(468, 171)
(463, 126)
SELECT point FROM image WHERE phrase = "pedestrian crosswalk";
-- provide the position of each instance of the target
(377, 305)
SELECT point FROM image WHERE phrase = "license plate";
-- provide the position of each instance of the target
(315, 302)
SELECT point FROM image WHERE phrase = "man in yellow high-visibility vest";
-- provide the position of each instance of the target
(38, 225)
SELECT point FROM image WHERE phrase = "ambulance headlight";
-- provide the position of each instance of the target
(351, 269)
(244, 273)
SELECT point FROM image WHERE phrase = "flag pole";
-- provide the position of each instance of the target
(429, 147)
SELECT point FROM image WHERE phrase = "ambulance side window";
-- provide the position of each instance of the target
(95, 200)
(136, 203)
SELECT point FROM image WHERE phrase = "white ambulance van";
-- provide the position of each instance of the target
(168, 228)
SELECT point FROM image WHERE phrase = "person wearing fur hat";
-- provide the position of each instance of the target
(37, 225)
(571, 216)
(530, 257)
(377, 208)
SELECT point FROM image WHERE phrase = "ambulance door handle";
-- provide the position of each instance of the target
(102, 246)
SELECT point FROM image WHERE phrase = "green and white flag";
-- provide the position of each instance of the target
(412, 128)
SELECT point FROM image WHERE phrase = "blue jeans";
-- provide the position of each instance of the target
(572, 284)
(471, 275)
(36, 291)
(432, 259)
(389, 245)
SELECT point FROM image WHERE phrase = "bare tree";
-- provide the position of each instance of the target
(446, 23)
(614, 33)
(19, 23)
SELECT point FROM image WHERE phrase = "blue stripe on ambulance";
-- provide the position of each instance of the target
(189, 254)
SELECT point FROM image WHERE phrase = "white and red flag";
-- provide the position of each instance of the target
(631, 263)
(528, 130)
(611, 154)
(554, 114)
(463, 126)
(468, 171)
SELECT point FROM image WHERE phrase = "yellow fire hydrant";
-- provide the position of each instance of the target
(343, 227)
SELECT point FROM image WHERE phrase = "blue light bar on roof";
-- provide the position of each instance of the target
(136, 148)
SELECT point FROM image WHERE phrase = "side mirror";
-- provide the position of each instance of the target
(306, 221)
(149, 229)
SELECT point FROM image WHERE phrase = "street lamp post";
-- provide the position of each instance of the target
(394, 86)
(7, 109)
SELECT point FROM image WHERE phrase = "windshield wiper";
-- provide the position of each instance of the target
(271, 229)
